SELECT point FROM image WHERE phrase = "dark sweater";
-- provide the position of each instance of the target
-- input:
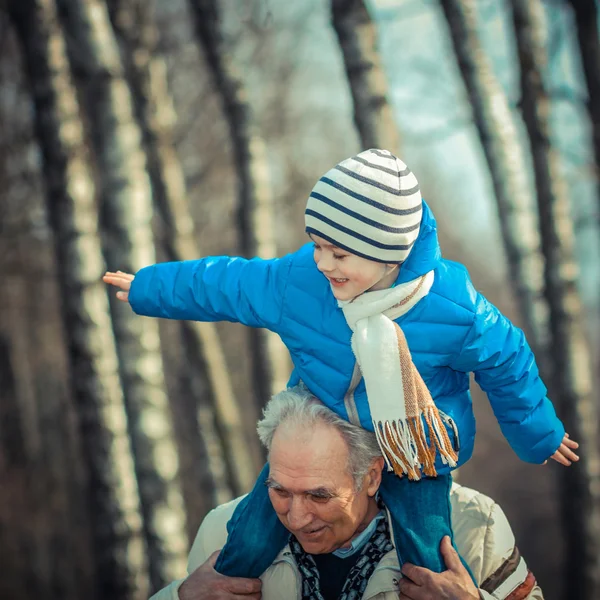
(333, 572)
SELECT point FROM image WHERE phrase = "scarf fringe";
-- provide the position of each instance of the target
(404, 444)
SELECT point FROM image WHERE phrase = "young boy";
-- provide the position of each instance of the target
(371, 281)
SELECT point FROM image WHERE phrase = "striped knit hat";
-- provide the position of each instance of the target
(369, 205)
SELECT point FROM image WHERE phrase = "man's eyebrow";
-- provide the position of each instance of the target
(271, 483)
(320, 492)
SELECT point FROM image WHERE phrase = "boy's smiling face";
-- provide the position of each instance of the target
(350, 275)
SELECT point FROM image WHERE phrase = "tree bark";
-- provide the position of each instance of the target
(570, 358)
(20, 541)
(126, 211)
(508, 167)
(118, 541)
(357, 35)
(270, 364)
(134, 25)
(586, 20)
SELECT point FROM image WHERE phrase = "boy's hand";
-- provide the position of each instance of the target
(120, 280)
(565, 455)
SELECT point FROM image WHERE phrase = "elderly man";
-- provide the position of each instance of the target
(323, 481)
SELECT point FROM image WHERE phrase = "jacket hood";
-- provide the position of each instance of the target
(426, 253)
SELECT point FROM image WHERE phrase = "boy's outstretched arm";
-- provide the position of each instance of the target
(215, 288)
(497, 352)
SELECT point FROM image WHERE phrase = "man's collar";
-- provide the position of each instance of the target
(357, 543)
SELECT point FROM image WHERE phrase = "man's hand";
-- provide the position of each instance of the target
(120, 280)
(206, 584)
(453, 584)
(565, 455)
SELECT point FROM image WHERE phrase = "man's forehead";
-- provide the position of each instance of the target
(310, 449)
(308, 457)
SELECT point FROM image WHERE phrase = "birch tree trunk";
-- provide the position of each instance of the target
(586, 19)
(134, 25)
(570, 357)
(270, 364)
(357, 35)
(21, 548)
(126, 210)
(119, 545)
(508, 166)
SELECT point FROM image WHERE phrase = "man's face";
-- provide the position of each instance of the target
(312, 492)
(350, 275)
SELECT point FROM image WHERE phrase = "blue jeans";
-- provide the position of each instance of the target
(255, 534)
(421, 517)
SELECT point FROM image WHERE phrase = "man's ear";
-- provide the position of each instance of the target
(374, 476)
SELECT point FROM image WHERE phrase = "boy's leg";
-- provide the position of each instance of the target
(255, 534)
(421, 516)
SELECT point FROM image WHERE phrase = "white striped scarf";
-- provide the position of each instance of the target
(401, 406)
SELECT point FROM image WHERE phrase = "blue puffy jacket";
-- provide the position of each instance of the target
(451, 332)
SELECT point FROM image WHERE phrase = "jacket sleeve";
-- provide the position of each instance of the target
(504, 575)
(505, 368)
(535, 594)
(213, 289)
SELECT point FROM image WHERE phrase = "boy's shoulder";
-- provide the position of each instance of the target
(303, 257)
(452, 284)
(302, 275)
(302, 266)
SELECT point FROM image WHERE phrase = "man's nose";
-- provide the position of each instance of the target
(298, 517)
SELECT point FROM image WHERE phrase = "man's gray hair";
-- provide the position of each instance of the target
(298, 407)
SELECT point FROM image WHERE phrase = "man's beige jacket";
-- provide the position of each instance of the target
(482, 535)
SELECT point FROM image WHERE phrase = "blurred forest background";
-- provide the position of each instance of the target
(135, 131)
